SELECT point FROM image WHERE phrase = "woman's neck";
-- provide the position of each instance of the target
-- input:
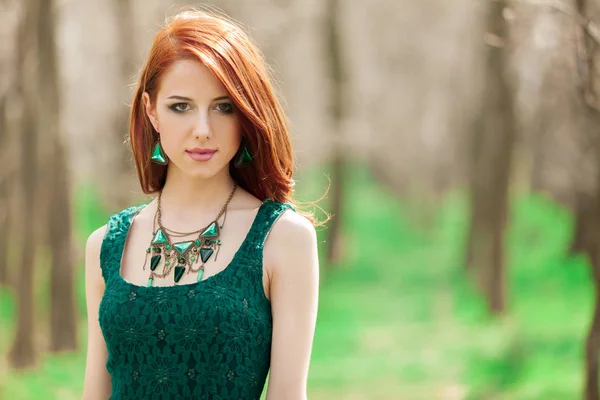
(184, 199)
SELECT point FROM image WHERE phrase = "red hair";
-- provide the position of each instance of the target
(234, 60)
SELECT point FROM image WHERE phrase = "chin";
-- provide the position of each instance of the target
(200, 170)
(200, 173)
(205, 171)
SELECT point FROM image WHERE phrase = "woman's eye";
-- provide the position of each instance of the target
(180, 107)
(226, 108)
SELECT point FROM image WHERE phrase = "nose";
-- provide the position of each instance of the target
(202, 125)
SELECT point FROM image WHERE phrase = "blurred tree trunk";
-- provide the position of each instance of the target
(585, 204)
(4, 193)
(22, 353)
(119, 183)
(587, 214)
(334, 45)
(591, 249)
(592, 345)
(63, 322)
(492, 147)
(7, 137)
(63, 327)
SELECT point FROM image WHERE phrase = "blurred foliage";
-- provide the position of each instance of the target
(397, 318)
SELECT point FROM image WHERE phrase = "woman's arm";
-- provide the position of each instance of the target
(97, 383)
(291, 252)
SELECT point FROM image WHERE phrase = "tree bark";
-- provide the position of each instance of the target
(592, 250)
(119, 181)
(63, 326)
(334, 240)
(587, 228)
(4, 195)
(585, 203)
(490, 167)
(22, 353)
(63, 322)
(585, 215)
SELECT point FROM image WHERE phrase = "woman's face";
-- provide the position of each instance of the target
(199, 126)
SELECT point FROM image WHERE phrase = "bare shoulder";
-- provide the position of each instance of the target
(94, 281)
(292, 239)
(292, 227)
(94, 241)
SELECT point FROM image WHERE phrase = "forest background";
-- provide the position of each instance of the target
(457, 142)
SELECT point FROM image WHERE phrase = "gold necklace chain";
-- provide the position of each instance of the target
(175, 233)
(171, 231)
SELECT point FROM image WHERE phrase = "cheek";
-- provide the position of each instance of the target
(172, 132)
(172, 123)
(173, 127)
(229, 131)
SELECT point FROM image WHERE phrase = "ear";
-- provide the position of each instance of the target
(150, 110)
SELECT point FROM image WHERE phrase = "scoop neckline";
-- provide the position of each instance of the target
(232, 263)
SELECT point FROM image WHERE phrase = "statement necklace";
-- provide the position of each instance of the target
(184, 255)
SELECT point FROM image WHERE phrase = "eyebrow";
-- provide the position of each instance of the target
(188, 99)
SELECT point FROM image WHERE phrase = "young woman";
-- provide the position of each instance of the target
(198, 293)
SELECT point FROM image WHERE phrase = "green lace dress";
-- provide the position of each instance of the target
(206, 340)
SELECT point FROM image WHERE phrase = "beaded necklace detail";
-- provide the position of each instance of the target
(187, 254)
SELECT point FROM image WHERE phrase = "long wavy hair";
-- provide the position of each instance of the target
(235, 60)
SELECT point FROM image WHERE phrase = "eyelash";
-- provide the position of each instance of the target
(176, 108)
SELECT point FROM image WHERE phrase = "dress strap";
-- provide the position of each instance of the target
(269, 212)
(114, 241)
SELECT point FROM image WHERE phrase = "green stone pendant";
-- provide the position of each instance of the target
(205, 254)
(179, 270)
(183, 246)
(159, 238)
(211, 231)
(158, 156)
(154, 261)
(200, 274)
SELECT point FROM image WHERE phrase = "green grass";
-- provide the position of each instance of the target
(398, 319)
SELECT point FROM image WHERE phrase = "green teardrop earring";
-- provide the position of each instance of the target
(244, 157)
(158, 155)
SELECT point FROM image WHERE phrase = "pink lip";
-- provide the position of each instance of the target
(198, 154)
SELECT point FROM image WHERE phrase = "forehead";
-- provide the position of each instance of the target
(190, 78)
